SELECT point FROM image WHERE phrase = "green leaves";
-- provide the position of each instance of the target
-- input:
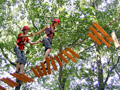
(75, 19)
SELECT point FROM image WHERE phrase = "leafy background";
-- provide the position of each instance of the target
(98, 66)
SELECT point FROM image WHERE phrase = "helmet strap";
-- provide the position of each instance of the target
(53, 24)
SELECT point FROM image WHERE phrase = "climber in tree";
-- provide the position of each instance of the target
(22, 38)
(49, 30)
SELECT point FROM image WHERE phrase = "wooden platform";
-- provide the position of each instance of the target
(103, 31)
(68, 55)
(22, 77)
(99, 36)
(9, 82)
(58, 60)
(48, 65)
(72, 52)
(94, 38)
(35, 72)
(63, 58)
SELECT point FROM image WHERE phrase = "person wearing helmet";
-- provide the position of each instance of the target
(49, 31)
(22, 38)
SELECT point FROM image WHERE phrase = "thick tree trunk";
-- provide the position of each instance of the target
(100, 72)
(61, 79)
(60, 72)
(63, 82)
(19, 82)
(18, 87)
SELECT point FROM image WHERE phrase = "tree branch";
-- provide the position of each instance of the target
(7, 58)
(34, 25)
(117, 73)
(111, 71)
(18, 26)
(88, 48)
(77, 40)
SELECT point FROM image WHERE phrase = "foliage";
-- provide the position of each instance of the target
(76, 17)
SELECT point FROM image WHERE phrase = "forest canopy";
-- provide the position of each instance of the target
(98, 66)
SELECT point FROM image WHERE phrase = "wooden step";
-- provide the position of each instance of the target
(63, 58)
(21, 78)
(35, 72)
(102, 31)
(73, 52)
(48, 65)
(58, 60)
(94, 38)
(2, 88)
(28, 79)
(114, 37)
(68, 55)
(14, 83)
(39, 70)
(43, 68)
(16, 75)
(99, 36)
(7, 82)
(53, 63)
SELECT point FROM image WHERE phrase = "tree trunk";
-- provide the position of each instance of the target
(63, 82)
(60, 72)
(19, 82)
(18, 87)
(100, 71)
(59, 79)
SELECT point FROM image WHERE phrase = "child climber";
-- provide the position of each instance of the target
(49, 30)
(22, 38)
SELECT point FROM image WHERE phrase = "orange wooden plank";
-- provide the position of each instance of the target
(7, 82)
(73, 52)
(18, 77)
(14, 83)
(35, 72)
(39, 70)
(27, 78)
(58, 60)
(63, 58)
(48, 65)
(99, 36)
(43, 68)
(114, 37)
(24, 78)
(2, 88)
(11, 83)
(68, 55)
(53, 63)
(102, 31)
(94, 38)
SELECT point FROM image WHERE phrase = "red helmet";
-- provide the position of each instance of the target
(25, 27)
(56, 20)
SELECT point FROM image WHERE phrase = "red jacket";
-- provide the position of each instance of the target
(21, 41)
